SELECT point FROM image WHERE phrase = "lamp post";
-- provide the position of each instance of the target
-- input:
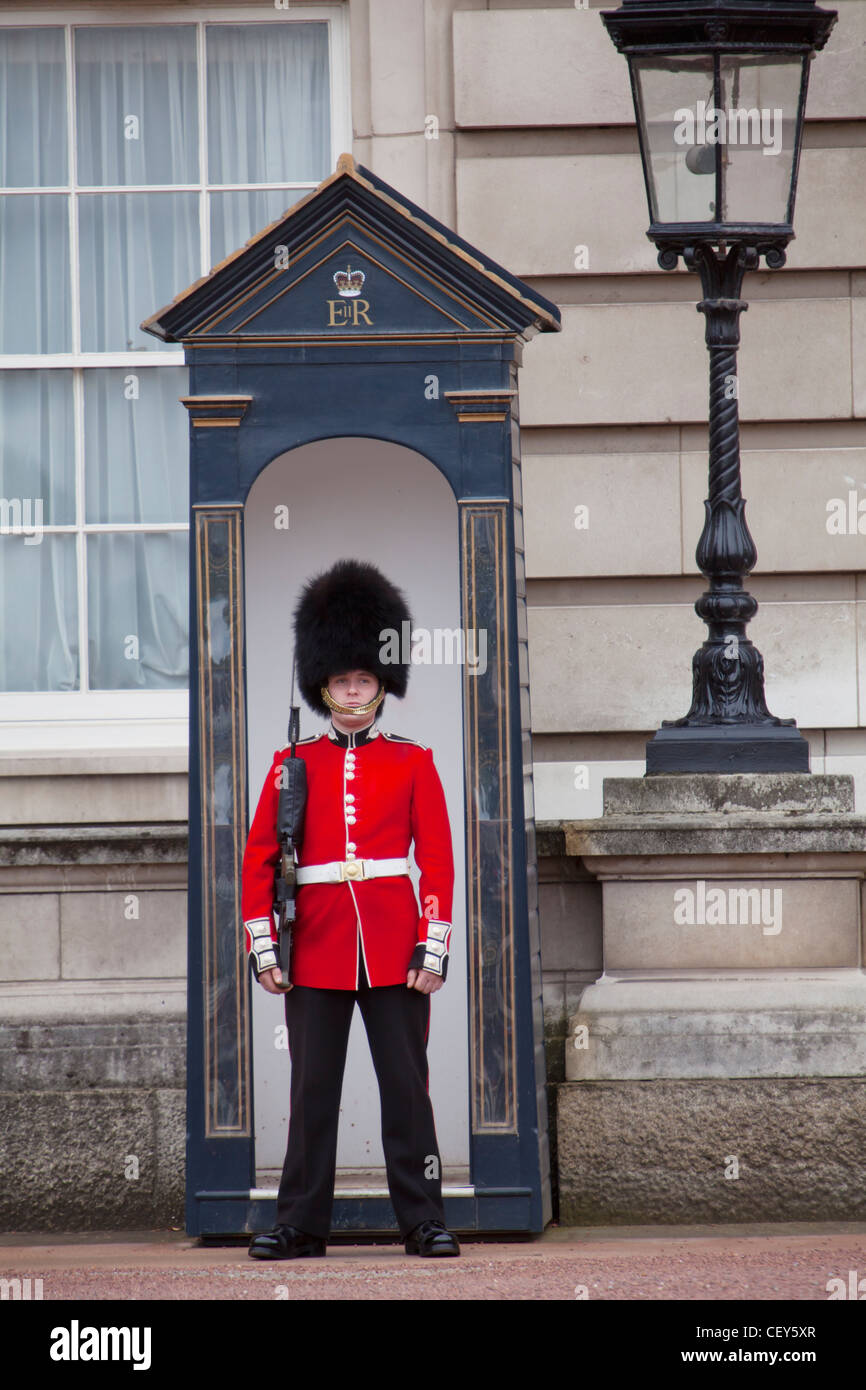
(719, 90)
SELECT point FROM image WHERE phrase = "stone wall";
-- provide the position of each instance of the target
(92, 1010)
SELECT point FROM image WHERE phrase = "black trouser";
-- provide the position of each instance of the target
(397, 1020)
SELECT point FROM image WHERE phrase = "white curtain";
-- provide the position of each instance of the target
(136, 469)
(137, 445)
(32, 107)
(38, 599)
(37, 457)
(136, 93)
(137, 250)
(39, 632)
(137, 611)
(268, 103)
(35, 304)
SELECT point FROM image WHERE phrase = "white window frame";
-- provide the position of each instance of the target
(83, 719)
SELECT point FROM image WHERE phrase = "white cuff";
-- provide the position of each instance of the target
(436, 947)
(260, 944)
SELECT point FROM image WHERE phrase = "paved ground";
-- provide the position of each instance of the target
(753, 1263)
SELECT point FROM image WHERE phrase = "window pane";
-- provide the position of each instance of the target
(138, 250)
(235, 217)
(136, 93)
(32, 107)
(681, 167)
(37, 460)
(760, 99)
(39, 633)
(136, 445)
(137, 611)
(268, 103)
(34, 273)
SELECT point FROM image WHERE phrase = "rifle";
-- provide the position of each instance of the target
(290, 831)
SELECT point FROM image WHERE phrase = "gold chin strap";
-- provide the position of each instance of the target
(352, 709)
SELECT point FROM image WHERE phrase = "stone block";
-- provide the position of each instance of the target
(810, 661)
(601, 514)
(798, 508)
(732, 1023)
(99, 941)
(397, 88)
(795, 358)
(641, 657)
(853, 765)
(836, 87)
(533, 213)
(656, 1152)
(91, 1160)
(538, 68)
(87, 1056)
(648, 363)
(733, 923)
(86, 1001)
(756, 793)
(570, 926)
(30, 936)
(829, 178)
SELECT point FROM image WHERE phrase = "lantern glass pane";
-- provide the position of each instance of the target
(758, 136)
(672, 97)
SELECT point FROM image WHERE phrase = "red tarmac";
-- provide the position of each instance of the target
(792, 1263)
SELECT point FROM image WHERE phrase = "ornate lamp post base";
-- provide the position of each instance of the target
(727, 748)
(728, 727)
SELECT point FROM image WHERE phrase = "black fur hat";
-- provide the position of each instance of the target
(343, 619)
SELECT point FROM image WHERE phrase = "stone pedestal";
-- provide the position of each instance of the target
(717, 1069)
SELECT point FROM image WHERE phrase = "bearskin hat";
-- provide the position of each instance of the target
(343, 619)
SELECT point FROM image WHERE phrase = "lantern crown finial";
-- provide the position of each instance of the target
(774, 25)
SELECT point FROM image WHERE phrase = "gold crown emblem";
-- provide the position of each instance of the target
(349, 282)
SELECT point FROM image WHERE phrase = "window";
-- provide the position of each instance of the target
(133, 157)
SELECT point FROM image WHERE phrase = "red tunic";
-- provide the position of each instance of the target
(369, 795)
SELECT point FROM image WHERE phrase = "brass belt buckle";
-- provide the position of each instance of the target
(351, 868)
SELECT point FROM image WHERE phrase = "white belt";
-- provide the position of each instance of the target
(339, 871)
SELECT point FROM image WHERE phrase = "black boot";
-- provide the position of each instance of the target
(285, 1243)
(431, 1238)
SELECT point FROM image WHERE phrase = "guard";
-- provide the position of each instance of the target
(359, 934)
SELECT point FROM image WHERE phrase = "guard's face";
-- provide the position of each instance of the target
(354, 688)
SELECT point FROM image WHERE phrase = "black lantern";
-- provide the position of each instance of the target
(719, 90)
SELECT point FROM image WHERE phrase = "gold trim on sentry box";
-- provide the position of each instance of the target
(253, 340)
(473, 403)
(232, 408)
(493, 1046)
(222, 570)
